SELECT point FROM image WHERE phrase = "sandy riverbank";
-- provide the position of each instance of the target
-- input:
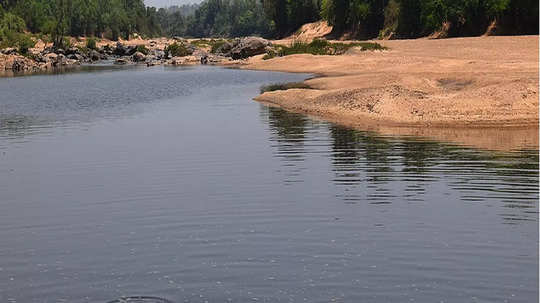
(419, 86)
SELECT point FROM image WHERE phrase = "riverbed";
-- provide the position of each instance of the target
(172, 182)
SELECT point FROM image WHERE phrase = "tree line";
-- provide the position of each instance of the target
(269, 18)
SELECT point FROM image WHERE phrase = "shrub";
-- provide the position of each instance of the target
(91, 43)
(323, 47)
(66, 43)
(24, 42)
(142, 49)
(269, 54)
(176, 50)
(283, 86)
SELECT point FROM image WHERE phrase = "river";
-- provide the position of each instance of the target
(172, 182)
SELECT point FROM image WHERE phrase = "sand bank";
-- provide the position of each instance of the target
(418, 86)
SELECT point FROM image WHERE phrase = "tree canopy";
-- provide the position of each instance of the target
(271, 18)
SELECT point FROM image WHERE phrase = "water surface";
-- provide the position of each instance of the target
(171, 182)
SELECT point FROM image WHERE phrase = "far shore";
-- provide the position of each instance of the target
(485, 86)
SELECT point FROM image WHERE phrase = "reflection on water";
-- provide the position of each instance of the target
(368, 166)
(173, 183)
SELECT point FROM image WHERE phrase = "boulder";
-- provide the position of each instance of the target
(72, 51)
(138, 57)
(159, 54)
(75, 57)
(248, 47)
(50, 57)
(94, 55)
(60, 60)
(72, 62)
(225, 48)
(121, 61)
(120, 49)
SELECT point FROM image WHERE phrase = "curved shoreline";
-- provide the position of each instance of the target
(419, 86)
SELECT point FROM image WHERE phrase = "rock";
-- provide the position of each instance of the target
(50, 57)
(94, 55)
(72, 62)
(121, 61)
(60, 51)
(248, 47)
(60, 60)
(72, 51)
(153, 62)
(9, 51)
(159, 54)
(107, 50)
(19, 65)
(138, 57)
(204, 60)
(75, 57)
(120, 49)
(45, 65)
(225, 48)
(187, 60)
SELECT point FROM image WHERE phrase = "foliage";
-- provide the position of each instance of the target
(268, 18)
(142, 49)
(283, 86)
(91, 43)
(12, 33)
(323, 47)
(177, 50)
(60, 18)
(269, 54)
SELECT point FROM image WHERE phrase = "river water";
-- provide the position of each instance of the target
(172, 182)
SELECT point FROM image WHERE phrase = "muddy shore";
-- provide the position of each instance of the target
(485, 89)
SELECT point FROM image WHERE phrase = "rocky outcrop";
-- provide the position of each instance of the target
(248, 47)
(151, 54)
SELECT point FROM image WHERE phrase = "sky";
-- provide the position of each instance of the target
(166, 3)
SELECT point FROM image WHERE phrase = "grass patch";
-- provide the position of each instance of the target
(321, 47)
(177, 50)
(213, 44)
(283, 86)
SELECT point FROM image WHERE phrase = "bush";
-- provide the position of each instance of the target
(323, 47)
(216, 44)
(24, 43)
(176, 50)
(269, 55)
(91, 43)
(283, 86)
(142, 49)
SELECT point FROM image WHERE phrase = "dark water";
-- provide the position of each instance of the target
(173, 183)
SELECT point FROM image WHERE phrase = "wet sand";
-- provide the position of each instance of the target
(480, 91)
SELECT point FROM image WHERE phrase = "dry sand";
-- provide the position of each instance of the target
(480, 91)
